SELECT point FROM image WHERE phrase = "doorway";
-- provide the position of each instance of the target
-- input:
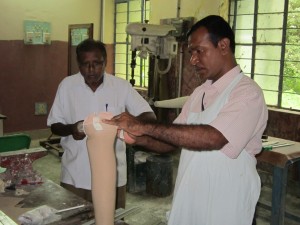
(77, 33)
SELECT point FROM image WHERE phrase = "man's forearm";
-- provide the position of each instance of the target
(61, 129)
(155, 145)
(196, 137)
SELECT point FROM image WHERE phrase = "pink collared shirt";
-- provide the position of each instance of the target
(242, 120)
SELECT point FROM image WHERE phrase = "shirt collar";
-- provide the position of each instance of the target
(223, 81)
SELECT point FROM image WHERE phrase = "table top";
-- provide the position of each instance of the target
(48, 193)
(280, 156)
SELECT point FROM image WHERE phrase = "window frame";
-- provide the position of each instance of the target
(233, 16)
(140, 63)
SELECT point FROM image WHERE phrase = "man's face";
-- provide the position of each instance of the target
(92, 67)
(207, 59)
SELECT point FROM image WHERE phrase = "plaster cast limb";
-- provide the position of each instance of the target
(171, 103)
(100, 145)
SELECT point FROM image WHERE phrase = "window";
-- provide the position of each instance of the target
(268, 47)
(128, 11)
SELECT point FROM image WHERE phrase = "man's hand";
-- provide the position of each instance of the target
(76, 133)
(128, 138)
(128, 123)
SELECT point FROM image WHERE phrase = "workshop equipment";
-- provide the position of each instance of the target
(136, 168)
(159, 178)
(2, 117)
(53, 195)
(53, 143)
(268, 146)
(119, 214)
(43, 215)
(281, 158)
(19, 165)
(175, 103)
(40, 215)
(14, 142)
(154, 41)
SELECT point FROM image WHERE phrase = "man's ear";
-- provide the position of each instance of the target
(224, 45)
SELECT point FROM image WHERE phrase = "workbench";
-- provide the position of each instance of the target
(25, 196)
(281, 159)
(50, 194)
(29, 190)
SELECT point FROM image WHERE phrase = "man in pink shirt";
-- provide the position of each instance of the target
(219, 131)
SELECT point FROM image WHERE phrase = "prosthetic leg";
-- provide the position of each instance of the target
(100, 145)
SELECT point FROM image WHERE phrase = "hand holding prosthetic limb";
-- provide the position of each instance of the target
(129, 139)
(100, 145)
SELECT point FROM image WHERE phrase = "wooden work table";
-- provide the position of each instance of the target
(280, 158)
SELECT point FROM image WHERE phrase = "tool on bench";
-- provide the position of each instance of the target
(18, 164)
(119, 214)
(44, 214)
(268, 146)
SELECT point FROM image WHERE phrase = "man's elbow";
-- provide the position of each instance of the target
(216, 140)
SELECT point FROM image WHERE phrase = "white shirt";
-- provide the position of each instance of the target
(74, 101)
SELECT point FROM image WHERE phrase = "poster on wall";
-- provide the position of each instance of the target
(37, 33)
(78, 35)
